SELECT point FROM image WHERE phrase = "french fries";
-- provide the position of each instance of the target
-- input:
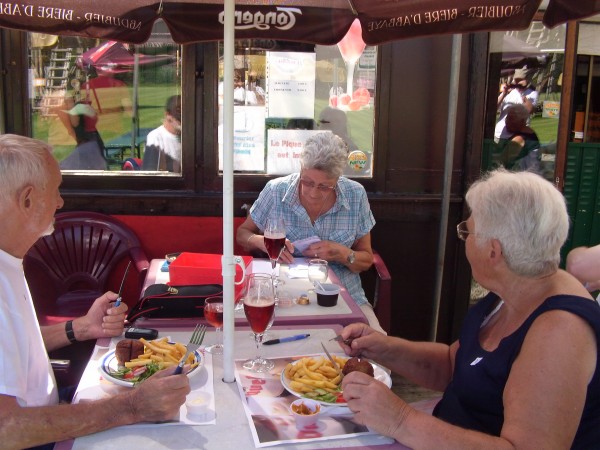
(308, 375)
(162, 352)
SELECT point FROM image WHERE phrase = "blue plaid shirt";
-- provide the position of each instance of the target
(348, 220)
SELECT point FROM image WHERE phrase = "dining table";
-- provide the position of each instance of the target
(293, 284)
(230, 423)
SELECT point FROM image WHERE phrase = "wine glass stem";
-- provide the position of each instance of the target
(258, 339)
(219, 336)
(350, 77)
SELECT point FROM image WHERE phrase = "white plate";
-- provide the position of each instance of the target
(110, 364)
(380, 374)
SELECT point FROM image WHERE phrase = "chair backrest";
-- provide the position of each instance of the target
(74, 262)
(377, 283)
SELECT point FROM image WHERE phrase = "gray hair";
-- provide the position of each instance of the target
(22, 163)
(518, 112)
(526, 213)
(326, 152)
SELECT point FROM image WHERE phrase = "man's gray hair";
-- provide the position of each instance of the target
(327, 152)
(22, 163)
(526, 213)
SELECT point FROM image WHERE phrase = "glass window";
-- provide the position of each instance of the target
(106, 106)
(285, 93)
(525, 80)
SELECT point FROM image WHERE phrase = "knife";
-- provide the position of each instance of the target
(335, 364)
(118, 302)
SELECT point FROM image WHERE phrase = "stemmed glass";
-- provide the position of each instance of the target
(213, 312)
(259, 307)
(317, 271)
(274, 237)
(351, 47)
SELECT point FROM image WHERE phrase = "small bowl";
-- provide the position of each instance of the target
(327, 294)
(198, 405)
(305, 412)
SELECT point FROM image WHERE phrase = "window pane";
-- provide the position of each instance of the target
(527, 67)
(96, 102)
(284, 94)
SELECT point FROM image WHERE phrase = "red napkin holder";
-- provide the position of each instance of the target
(203, 268)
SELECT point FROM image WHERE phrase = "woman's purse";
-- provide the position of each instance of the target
(164, 301)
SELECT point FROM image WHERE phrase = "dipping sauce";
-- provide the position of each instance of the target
(303, 410)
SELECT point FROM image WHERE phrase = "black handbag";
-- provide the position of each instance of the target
(164, 301)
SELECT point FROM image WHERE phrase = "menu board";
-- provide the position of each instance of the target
(291, 84)
(284, 148)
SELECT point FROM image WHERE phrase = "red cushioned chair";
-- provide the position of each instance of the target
(70, 268)
(67, 270)
(377, 283)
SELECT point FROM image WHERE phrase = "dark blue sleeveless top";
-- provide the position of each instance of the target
(473, 399)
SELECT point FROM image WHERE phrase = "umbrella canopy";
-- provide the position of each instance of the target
(314, 21)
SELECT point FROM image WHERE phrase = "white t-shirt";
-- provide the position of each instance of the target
(25, 371)
(514, 97)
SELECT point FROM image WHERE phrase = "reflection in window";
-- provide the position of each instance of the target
(96, 102)
(286, 92)
(527, 68)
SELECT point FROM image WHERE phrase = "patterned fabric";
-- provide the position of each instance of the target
(473, 399)
(348, 220)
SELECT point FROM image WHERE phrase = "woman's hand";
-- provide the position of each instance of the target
(373, 404)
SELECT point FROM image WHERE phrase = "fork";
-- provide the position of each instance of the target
(339, 338)
(195, 342)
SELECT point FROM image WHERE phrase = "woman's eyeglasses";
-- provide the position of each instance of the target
(323, 188)
(462, 231)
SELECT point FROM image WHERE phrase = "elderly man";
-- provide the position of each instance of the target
(29, 411)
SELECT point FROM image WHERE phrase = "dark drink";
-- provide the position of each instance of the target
(274, 244)
(259, 314)
(214, 314)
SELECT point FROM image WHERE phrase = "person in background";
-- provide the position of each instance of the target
(523, 373)
(80, 120)
(519, 91)
(29, 410)
(163, 144)
(520, 150)
(584, 264)
(319, 202)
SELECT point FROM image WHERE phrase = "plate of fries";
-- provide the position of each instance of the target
(315, 377)
(158, 355)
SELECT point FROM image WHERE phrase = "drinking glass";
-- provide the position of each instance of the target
(351, 47)
(317, 271)
(213, 312)
(259, 307)
(274, 237)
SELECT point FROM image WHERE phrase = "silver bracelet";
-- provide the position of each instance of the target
(248, 240)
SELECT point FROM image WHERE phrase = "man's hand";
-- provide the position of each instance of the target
(102, 319)
(160, 396)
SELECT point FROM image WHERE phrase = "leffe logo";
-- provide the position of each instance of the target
(283, 18)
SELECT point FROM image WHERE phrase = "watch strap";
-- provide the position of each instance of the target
(69, 331)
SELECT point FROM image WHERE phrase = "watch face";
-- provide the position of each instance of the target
(351, 258)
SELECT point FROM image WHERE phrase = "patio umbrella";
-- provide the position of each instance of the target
(313, 21)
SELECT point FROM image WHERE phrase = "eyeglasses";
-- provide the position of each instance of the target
(462, 231)
(323, 188)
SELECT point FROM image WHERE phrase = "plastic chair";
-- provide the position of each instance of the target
(67, 270)
(377, 283)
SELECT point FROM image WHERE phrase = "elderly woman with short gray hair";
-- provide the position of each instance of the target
(318, 202)
(523, 373)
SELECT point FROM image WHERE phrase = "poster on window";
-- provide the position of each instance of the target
(284, 148)
(248, 139)
(291, 84)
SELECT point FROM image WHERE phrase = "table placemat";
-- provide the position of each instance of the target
(266, 404)
(93, 387)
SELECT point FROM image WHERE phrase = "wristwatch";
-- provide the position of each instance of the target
(351, 257)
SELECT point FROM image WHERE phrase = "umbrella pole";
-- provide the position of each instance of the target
(228, 264)
(135, 114)
(448, 161)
